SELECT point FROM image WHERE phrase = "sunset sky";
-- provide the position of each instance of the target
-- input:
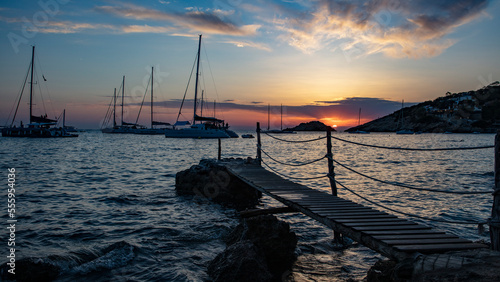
(323, 60)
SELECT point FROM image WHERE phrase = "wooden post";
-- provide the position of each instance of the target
(259, 153)
(220, 151)
(337, 236)
(495, 209)
(330, 161)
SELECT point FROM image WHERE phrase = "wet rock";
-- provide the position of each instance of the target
(210, 179)
(30, 269)
(240, 262)
(474, 265)
(270, 238)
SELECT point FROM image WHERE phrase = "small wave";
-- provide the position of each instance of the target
(123, 199)
(114, 256)
(79, 263)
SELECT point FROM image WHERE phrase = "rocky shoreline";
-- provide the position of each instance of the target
(465, 112)
(262, 248)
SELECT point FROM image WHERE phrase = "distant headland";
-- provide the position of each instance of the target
(310, 126)
(465, 112)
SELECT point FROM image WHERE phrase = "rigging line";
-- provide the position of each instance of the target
(411, 187)
(407, 214)
(41, 94)
(107, 117)
(143, 98)
(46, 87)
(415, 149)
(294, 141)
(187, 87)
(300, 164)
(292, 177)
(212, 75)
(20, 96)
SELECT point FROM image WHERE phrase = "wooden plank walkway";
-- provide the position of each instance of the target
(387, 234)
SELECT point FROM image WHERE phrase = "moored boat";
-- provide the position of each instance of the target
(200, 127)
(39, 126)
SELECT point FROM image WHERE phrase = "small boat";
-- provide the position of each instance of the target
(276, 131)
(39, 126)
(247, 136)
(124, 127)
(153, 130)
(359, 123)
(201, 127)
(403, 130)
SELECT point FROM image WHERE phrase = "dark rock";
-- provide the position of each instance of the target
(310, 126)
(272, 237)
(210, 179)
(31, 269)
(240, 262)
(272, 240)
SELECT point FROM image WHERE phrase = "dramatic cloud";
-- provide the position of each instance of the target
(347, 108)
(200, 21)
(396, 28)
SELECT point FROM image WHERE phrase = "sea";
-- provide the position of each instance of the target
(103, 207)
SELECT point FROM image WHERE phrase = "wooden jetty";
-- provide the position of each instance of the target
(386, 234)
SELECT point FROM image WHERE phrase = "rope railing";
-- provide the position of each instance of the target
(404, 213)
(293, 177)
(334, 182)
(294, 141)
(408, 186)
(414, 149)
(288, 164)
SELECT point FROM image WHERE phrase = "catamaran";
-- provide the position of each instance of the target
(200, 127)
(39, 126)
(153, 130)
(124, 127)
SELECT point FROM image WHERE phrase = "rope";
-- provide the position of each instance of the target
(407, 214)
(294, 141)
(415, 149)
(300, 164)
(287, 176)
(411, 187)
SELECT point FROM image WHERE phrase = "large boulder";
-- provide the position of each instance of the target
(210, 179)
(240, 262)
(270, 239)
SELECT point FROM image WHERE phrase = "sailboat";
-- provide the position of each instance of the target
(403, 130)
(152, 130)
(281, 122)
(124, 127)
(39, 126)
(359, 123)
(201, 127)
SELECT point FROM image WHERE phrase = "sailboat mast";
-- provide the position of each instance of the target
(281, 117)
(359, 117)
(123, 95)
(31, 85)
(268, 116)
(64, 118)
(196, 83)
(114, 109)
(152, 68)
(201, 104)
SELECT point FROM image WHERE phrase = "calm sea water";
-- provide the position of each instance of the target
(103, 207)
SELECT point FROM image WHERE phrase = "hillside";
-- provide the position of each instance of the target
(310, 126)
(465, 112)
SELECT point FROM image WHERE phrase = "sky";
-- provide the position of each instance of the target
(322, 60)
